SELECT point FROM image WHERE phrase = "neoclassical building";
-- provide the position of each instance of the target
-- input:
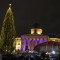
(36, 41)
(29, 41)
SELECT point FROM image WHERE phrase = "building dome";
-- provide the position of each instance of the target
(36, 25)
(36, 29)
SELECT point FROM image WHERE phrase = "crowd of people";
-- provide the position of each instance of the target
(26, 56)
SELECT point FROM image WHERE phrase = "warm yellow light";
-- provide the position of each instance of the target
(18, 43)
(46, 53)
(39, 31)
(53, 40)
(32, 31)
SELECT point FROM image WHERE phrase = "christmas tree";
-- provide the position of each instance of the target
(8, 31)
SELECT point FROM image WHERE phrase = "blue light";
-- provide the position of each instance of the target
(53, 52)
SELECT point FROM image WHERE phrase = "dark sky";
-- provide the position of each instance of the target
(28, 12)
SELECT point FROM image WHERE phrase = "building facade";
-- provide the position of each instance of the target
(17, 43)
(29, 41)
(36, 41)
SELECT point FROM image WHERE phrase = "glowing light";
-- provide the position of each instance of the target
(23, 39)
(45, 39)
(53, 40)
(33, 39)
(37, 39)
(9, 4)
(32, 31)
(23, 49)
(18, 43)
(39, 31)
(30, 39)
(26, 38)
(46, 53)
(41, 41)
(53, 52)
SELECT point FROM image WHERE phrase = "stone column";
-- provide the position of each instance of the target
(43, 40)
(28, 43)
(35, 41)
(39, 40)
(24, 44)
(32, 45)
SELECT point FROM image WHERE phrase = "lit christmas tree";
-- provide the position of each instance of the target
(8, 31)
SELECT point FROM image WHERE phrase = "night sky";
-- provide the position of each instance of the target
(27, 12)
